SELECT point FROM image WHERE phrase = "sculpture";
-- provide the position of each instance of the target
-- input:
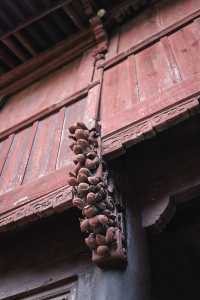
(95, 195)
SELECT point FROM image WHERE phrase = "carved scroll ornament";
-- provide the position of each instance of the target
(94, 194)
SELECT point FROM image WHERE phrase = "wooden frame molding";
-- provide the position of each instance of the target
(95, 195)
(151, 39)
(49, 110)
(116, 143)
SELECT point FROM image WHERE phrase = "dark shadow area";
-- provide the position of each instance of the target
(175, 256)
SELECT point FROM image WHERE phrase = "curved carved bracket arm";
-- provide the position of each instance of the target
(95, 195)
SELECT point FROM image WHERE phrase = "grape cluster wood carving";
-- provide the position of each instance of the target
(95, 195)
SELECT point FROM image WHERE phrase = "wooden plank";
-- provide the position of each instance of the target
(185, 45)
(154, 72)
(43, 154)
(45, 62)
(14, 49)
(85, 70)
(56, 140)
(17, 158)
(164, 30)
(48, 92)
(73, 114)
(113, 46)
(179, 92)
(120, 88)
(170, 12)
(4, 150)
(140, 29)
(33, 190)
(45, 112)
(25, 42)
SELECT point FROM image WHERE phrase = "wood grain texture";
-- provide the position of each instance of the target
(48, 92)
(152, 24)
(73, 114)
(17, 158)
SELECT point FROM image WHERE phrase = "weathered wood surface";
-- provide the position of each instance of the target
(149, 81)
(48, 92)
(159, 71)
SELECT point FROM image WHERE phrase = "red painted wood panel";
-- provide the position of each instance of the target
(73, 114)
(48, 91)
(39, 149)
(186, 47)
(151, 23)
(120, 88)
(166, 72)
(16, 160)
(4, 150)
(44, 151)
(154, 72)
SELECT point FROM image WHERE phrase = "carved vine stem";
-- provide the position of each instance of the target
(94, 194)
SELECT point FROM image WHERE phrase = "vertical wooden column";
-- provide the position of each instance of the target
(132, 283)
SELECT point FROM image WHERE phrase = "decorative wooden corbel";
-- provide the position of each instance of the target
(94, 193)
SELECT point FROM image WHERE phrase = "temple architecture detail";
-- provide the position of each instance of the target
(94, 193)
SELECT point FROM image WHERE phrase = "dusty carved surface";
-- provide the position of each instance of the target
(94, 194)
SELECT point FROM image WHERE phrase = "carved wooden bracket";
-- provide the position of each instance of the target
(95, 195)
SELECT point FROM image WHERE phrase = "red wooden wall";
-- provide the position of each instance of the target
(153, 64)
(149, 79)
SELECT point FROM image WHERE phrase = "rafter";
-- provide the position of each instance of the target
(31, 20)
(70, 12)
(10, 44)
(24, 41)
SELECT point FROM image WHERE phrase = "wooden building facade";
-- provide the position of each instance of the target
(129, 69)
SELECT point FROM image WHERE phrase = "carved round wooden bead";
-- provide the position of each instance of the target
(93, 180)
(78, 202)
(90, 211)
(100, 239)
(103, 250)
(91, 241)
(80, 158)
(92, 155)
(82, 178)
(101, 205)
(84, 171)
(92, 164)
(85, 226)
(91, 198)
(93, 188)
(103, 219)
(83, 188)
(107, 212)
(94, 222)
(81, 125)
(110, 235)
(77, 149)
(72, 181)
(83, 144)
(72, 129)
(81, 134)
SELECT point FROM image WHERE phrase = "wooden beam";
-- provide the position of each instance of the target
(59, 23)
(24, 41)
(31, 20)
(7, 60)
(42, 64)
(70, 12)
(10, 44)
